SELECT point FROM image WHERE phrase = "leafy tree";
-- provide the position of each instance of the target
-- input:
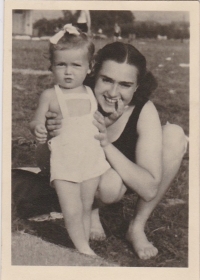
(48, 27)
(106, 20)
(67, 16)
(99, 19)
(126, 20)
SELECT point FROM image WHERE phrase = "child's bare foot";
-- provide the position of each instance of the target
(96, 231)
(88, 251)
(137, 237)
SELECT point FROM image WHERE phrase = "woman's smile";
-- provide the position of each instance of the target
(111, 101)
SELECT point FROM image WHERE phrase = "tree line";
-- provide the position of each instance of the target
(105, 21)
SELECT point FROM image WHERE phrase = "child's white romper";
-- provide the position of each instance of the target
(76, 155)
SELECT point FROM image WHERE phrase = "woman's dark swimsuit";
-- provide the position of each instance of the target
(126, 143)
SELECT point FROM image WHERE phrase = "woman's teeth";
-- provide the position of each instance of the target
(110, 100)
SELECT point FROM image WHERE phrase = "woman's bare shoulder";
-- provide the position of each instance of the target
(148, 116)
(149, 105)
(148, 110)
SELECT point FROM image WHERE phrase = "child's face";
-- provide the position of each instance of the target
(70, 67)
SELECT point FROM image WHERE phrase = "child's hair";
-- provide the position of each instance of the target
(72, 41)
(126, 53)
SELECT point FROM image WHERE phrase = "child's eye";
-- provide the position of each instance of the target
(61, 64)
(76, 64)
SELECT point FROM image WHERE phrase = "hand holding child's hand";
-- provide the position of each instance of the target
(117, 112)
(53, 123)
(40, 133)
(99, 122)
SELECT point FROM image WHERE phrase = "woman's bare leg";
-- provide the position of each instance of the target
(96, 231)
(69, 195)
(174, 147)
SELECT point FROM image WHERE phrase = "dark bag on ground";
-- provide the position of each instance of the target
(32, 194)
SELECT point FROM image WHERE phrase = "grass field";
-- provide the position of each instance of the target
(167, 228)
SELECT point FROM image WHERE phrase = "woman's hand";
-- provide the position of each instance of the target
(115, 114)
(53, 123)
(40, 133)
(99, 122)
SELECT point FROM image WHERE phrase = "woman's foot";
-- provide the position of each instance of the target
(96, 231)
(137, 237)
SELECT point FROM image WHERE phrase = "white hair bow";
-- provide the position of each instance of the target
(66, 28)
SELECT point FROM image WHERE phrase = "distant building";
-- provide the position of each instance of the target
(23, 20)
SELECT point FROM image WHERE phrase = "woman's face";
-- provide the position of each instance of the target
(115, 81)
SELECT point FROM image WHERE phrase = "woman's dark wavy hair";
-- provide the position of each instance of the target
(126, 53)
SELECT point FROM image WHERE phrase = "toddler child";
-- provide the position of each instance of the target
(77, 160)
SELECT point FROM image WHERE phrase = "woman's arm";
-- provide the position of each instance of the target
(54, 122)
(144, 176)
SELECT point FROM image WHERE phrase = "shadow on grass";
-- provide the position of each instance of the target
(167, 229)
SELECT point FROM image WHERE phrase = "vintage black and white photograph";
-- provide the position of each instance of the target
(100, 134)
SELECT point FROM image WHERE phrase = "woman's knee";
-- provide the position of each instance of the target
(174, 140)
(111, 187)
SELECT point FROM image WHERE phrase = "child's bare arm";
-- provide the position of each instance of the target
(37, 125)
